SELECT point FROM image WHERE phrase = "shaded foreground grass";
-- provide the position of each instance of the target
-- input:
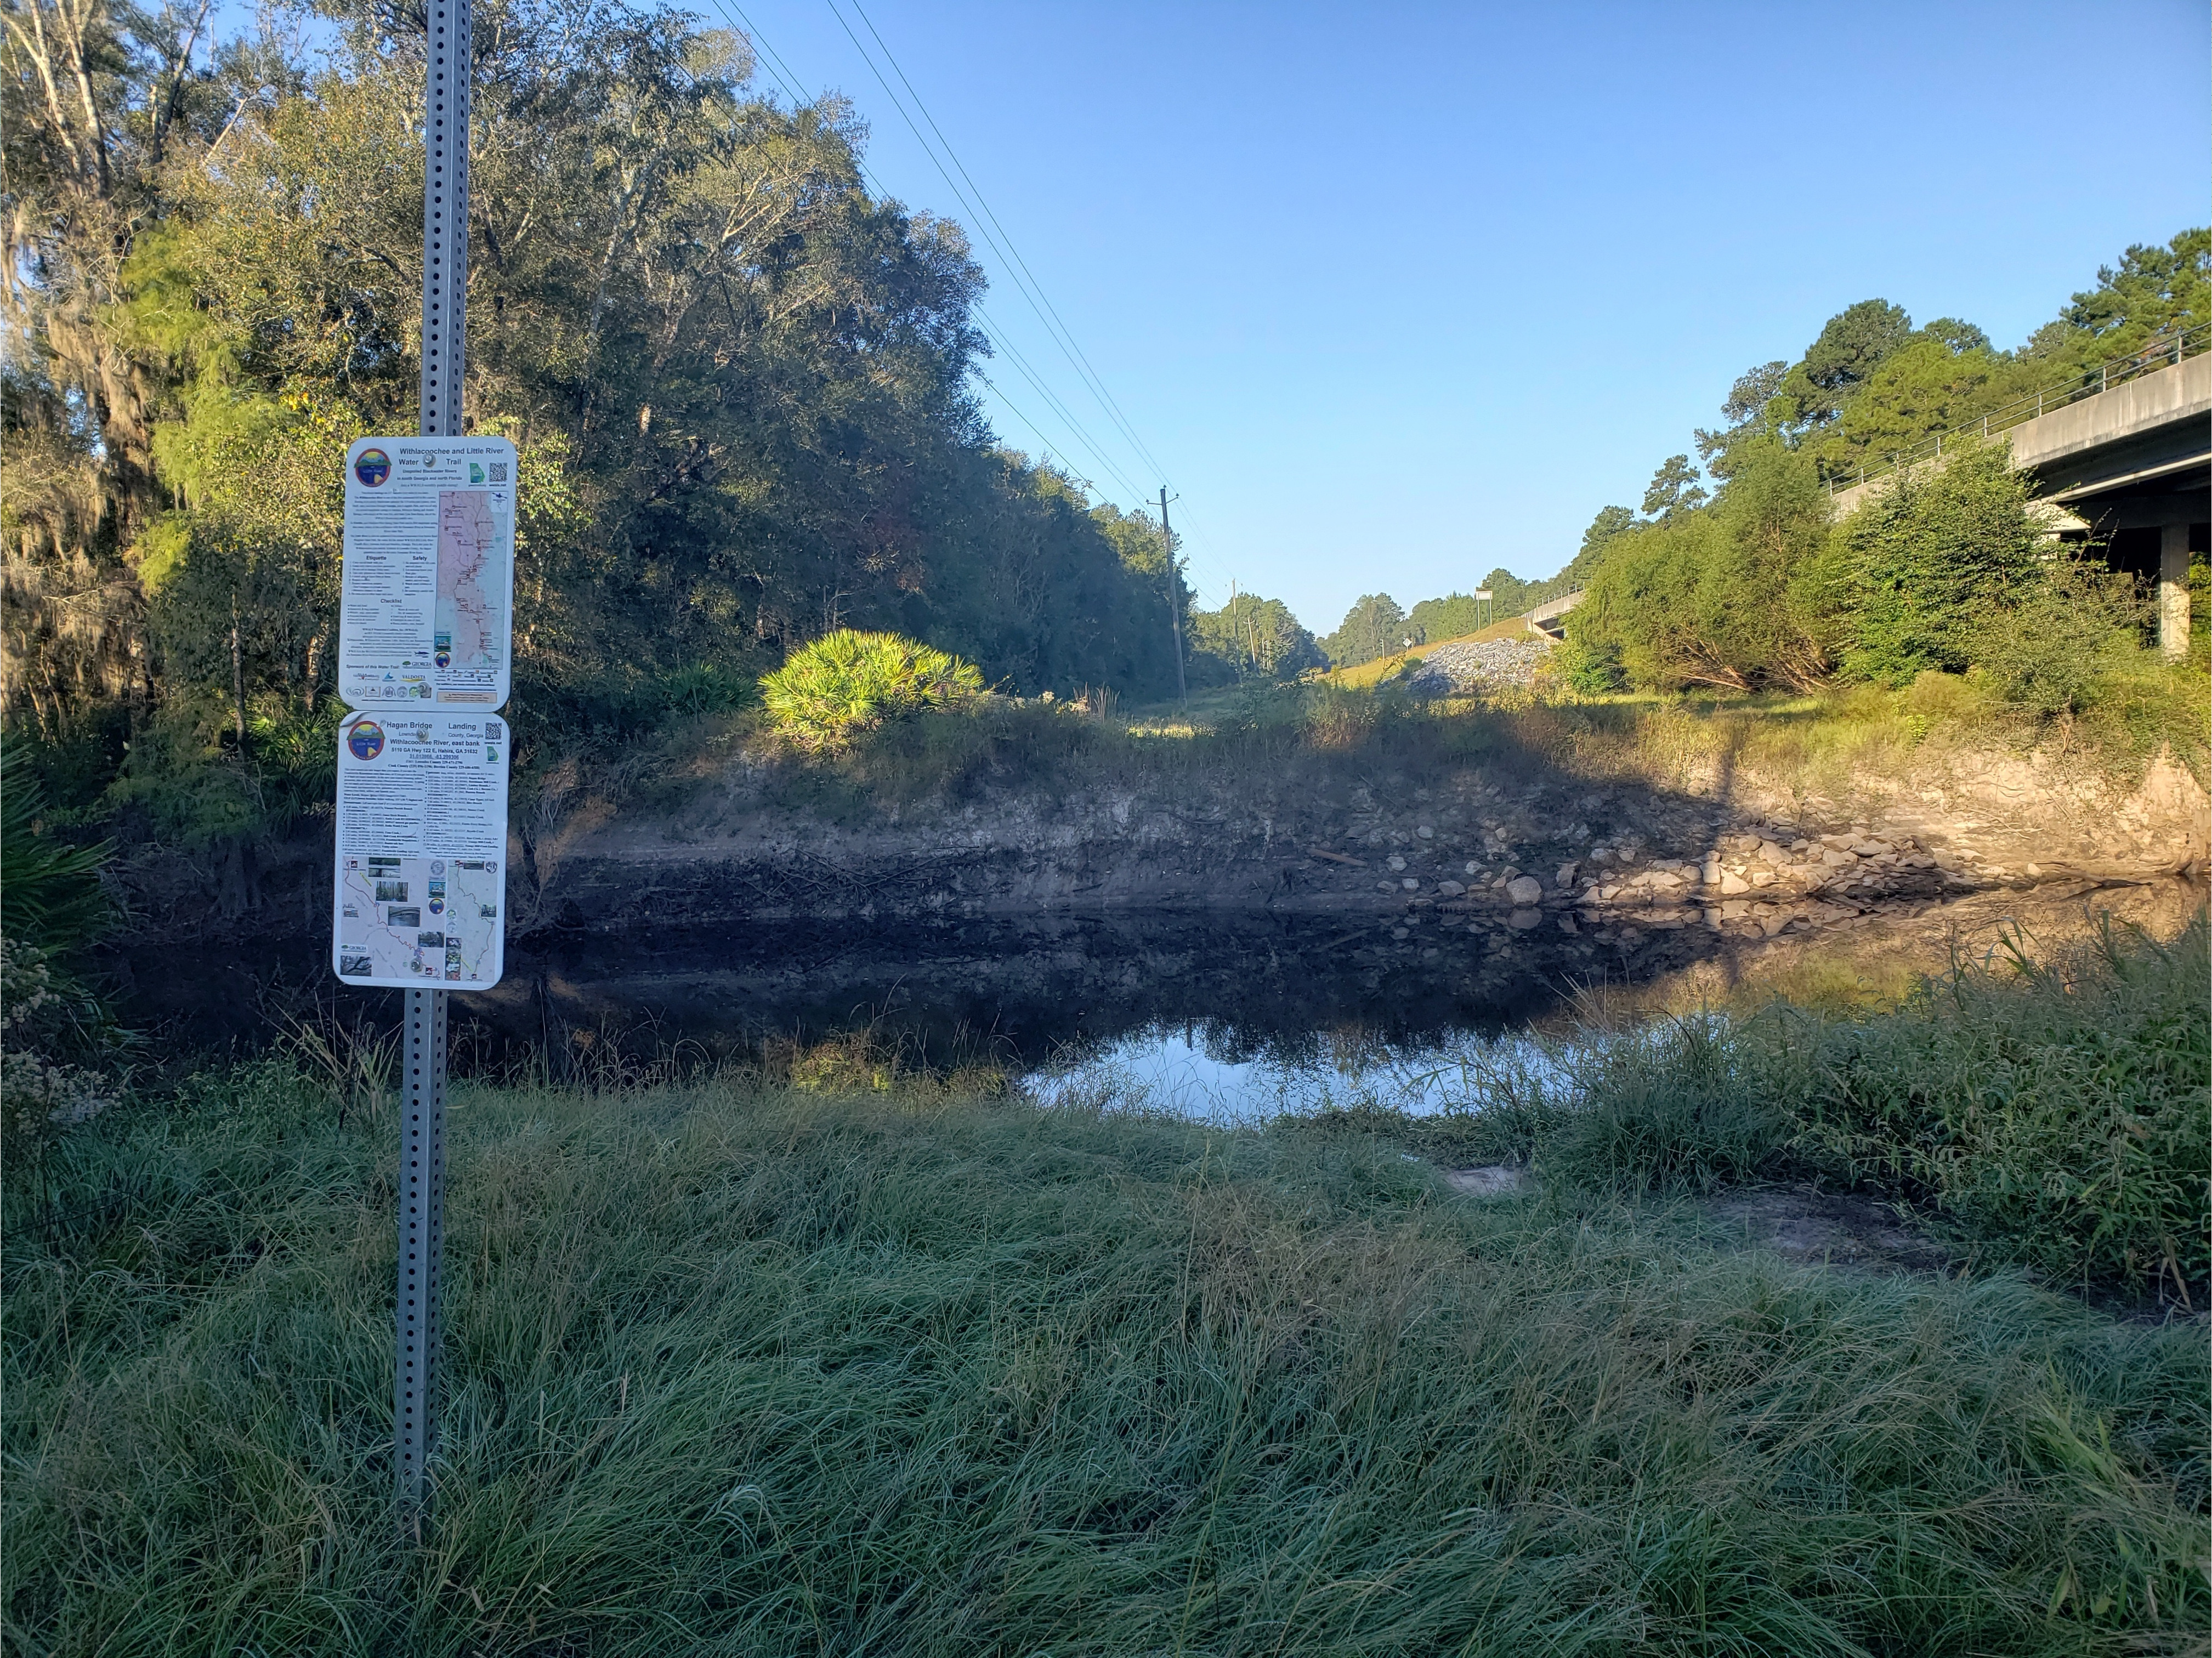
(742, 1370)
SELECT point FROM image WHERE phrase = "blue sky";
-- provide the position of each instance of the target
(1395, 294)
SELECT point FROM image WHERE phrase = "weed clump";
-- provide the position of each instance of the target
(847, 683)
(2055, 1111)
(2061, 1108)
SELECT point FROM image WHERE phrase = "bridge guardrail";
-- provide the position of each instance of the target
(2163, 352)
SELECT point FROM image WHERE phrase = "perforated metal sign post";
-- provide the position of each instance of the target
(450, 63)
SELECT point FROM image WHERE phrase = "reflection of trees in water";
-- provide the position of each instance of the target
(1283, 993)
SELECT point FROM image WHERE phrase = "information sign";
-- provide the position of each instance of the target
(420, 896)
(426, 613)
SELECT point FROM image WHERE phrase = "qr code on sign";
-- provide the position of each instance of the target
(498, 471)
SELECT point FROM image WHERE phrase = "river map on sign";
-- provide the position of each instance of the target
(469, 624)
(419, 918)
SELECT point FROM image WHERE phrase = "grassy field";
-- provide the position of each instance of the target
(750, 1368)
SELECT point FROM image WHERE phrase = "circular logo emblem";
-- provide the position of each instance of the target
(437, 866)
(371, 467)
(437, 906)
(366, 739)
(445, 659)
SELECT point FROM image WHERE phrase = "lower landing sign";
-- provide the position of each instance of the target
(421, 901)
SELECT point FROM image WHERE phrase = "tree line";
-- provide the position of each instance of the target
(740, 383)
(1737, 575)
(1728, 574)
(1377, 626)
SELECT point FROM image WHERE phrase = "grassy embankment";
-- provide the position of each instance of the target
(746, 1367)
(1824, 745)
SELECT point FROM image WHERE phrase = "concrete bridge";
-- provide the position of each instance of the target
(1549, 617)
(2129, 465)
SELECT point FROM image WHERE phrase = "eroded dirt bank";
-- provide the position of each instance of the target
(1518, 842)
(1521, 841)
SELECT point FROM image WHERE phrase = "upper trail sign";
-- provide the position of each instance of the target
(427, 606)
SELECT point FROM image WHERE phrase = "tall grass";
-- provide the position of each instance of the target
(1318, 735)
(2054, 1109)
(737, 1369)
(2060, 1106)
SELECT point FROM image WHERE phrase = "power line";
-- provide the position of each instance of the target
(1002, 243)
(1064, 336)
(991, 330)
(978, 212)
(1015, 411)
(1024, 279)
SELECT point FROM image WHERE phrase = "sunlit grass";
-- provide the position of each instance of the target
(739, 1369)
(1843, 748)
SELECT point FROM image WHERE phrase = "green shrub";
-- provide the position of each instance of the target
(44, 1014)
(1915, 573)
(845, 683)
(1720, 596)
(295, 755)
(2063, 640)
(702, 688)
(1588, 668)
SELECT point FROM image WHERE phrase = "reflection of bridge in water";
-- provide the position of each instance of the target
(2123, 458)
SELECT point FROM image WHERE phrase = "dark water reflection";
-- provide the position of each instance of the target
(1240, 985)
(1023, 989)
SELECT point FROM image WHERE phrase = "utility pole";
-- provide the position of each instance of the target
(449, 64)
(1175, 597)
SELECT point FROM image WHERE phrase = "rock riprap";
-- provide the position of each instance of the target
(1461, 669)
(1765, 879)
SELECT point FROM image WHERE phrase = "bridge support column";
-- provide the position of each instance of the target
(2173, 592)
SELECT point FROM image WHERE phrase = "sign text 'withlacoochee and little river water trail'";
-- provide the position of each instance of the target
(424, 660)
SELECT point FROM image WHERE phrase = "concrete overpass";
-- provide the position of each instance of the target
(2129, 458)
(1549, 617)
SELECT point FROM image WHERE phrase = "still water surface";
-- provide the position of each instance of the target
(1219, 1015)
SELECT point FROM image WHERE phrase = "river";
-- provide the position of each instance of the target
(1216, 1013)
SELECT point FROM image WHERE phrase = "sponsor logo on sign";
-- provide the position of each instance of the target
(366, 739)
(371, 467)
